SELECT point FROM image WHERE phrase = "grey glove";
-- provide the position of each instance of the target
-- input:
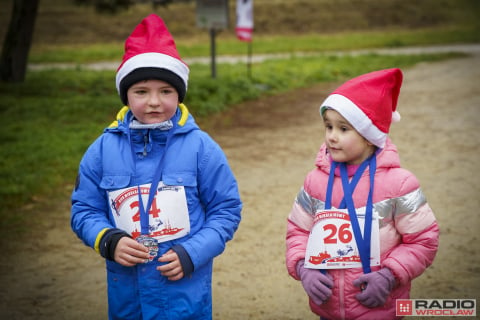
(317, 285)
(376, 286)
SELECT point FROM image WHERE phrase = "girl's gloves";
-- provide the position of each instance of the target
(317, 285)
(376, 287)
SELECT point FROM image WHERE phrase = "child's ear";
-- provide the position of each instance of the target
(370, 144)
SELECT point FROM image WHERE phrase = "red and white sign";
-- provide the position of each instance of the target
(244, 27)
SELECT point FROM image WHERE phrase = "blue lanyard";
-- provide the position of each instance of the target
(353, 183)
(144, 216)
(363, 243)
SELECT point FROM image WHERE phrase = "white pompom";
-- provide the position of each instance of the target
(396, 116)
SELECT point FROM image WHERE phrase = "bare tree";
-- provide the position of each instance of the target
(16, 46)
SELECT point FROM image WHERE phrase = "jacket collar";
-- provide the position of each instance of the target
(124, 115)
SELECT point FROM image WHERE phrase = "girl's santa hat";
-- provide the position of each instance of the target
(150, 53)
(369, 103)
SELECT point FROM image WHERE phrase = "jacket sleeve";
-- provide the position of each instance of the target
(419, 231)
(296, 245)
(416, 253)
(89, 211)
(299, 224)
(219, 196)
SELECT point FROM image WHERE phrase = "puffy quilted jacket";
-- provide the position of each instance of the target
(193, 160)
(408, 231)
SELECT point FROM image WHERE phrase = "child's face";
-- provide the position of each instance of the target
(152, 101)
(344, 143)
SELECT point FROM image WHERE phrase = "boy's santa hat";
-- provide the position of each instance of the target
(369, 103)
(150, 53)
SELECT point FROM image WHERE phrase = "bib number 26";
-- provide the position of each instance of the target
(336, 233)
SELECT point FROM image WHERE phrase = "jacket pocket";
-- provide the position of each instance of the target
(114, 182)
(186, 179)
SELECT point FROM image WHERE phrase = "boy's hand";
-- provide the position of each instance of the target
(173, 268)
(129, 252)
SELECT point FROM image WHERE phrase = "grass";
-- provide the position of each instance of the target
(50, 120)
(199, 46)
(82, 35)
(56, 114)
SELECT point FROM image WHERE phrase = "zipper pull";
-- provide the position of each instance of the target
(145, 143)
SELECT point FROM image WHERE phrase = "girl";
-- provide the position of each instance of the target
(360, 228)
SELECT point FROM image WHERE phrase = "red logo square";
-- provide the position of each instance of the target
(404, 307)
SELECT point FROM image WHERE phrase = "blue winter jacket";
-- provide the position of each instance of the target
(193, 160)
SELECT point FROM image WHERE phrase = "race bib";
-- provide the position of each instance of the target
(168, 216)
(331, 243)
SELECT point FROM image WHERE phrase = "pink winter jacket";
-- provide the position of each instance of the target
(408, 231)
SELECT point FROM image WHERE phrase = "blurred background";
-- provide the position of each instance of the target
(67, 96)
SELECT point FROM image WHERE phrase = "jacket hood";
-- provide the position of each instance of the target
(387, 158)
(185, 122)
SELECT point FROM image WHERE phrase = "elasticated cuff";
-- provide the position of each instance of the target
(109, 242)
(185, 260)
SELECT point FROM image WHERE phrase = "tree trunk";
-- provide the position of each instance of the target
(14, 58)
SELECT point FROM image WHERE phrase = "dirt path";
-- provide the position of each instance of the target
(271, 145)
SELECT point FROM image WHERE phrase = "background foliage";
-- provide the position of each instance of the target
(50, 120)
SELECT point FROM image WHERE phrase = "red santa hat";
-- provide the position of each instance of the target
(368, 102)
(150, 53)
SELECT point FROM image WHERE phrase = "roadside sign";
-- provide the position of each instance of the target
(212, 14)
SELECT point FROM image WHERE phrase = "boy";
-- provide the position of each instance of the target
(155, 195)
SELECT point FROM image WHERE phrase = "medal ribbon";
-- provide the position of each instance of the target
(363, 242)
(144, 210)
(353, 183)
